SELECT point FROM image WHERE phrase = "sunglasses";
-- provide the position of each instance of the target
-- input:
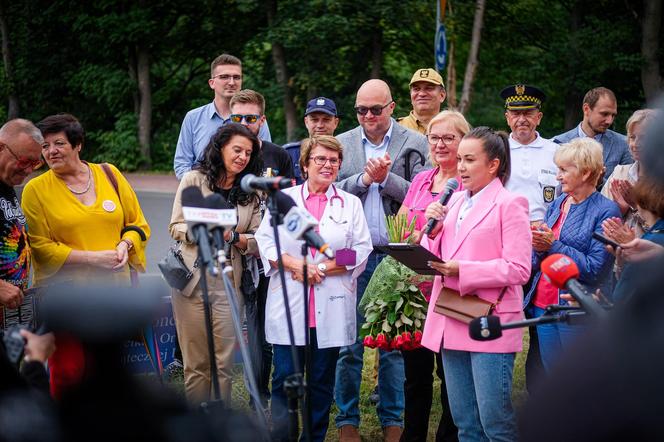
(375, 110)
(250, 118)
(24, 163)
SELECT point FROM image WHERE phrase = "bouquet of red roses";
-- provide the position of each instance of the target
(394, 306)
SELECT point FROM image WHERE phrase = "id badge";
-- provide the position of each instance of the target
(346, 257)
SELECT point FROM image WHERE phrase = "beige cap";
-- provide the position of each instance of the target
(429, 75)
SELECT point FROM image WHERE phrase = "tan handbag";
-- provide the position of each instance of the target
(450, 303)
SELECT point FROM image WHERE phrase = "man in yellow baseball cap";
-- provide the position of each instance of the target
(427, 93)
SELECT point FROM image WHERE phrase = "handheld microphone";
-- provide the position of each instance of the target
(445, 195)
(300, 224)
(485, 328)
(250, 183)
(194, 211)
(226, 216)
(562, 272)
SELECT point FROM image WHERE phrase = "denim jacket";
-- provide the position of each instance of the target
(576, 240)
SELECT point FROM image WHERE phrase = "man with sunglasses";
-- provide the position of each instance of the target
(248, 109)
(373, 169)
(201, 123)
(20, 154)
(427, 93)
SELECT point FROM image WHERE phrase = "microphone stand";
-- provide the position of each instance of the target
(244, 351)
(208, 325)
(307, 344)
(566, 314)
(294, 384)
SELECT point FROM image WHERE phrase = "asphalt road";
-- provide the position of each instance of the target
(157, 208)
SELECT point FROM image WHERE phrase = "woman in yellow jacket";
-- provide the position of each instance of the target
(79, 228)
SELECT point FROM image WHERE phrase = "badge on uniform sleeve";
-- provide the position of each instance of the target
(548, 192)
(108, 206)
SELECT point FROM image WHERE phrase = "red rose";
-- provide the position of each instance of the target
(370, 342)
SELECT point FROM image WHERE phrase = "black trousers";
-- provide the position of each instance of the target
(418, 392)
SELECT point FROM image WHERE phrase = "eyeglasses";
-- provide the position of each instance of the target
(226, 77)
(375, 110)
(446, 139)
(320, 160)
(24, 163)
(250, 118)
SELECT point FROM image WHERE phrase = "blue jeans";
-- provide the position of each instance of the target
(349, 372)
(479, 387)
(554, 337)
(321, 387)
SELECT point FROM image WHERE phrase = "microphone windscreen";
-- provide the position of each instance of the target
(284, 202)
(245, 182)
(452, 184)
(485, 328)
(192, 197)
(559, 269)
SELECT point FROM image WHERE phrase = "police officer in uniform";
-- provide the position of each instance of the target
(533, 175)
(427, 93)
(320, 118)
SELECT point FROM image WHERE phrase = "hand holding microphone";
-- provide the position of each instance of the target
(437, 210)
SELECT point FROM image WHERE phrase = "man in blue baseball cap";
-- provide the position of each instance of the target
(320, 118)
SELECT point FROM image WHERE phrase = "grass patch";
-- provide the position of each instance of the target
(370, 428)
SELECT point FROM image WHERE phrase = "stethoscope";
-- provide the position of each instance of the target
(426, 185)
(334, 197)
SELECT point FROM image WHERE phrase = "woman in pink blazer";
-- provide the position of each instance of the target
(485, 242)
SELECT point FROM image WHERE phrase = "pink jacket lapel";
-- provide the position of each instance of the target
(481, 209)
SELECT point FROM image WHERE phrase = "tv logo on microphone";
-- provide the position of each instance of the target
(293, 224)
(561, 263)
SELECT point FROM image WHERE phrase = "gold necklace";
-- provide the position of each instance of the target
(87, 187)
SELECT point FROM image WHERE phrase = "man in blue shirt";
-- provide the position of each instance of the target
(201, 123)
(599, 110)
(373, 169)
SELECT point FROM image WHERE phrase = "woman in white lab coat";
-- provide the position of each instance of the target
(333, 286)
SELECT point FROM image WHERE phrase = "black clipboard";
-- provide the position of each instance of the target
(413, 256)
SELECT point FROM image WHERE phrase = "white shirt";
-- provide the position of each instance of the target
(468, 203)
(534, 173)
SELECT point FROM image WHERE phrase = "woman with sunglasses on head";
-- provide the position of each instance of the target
(484, 241)
(86, 225)
(332, 283)
(444, 134)
(232, 153)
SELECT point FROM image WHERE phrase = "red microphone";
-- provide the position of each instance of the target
(561, 271)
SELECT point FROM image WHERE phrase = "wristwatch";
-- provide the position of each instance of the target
(235, 237)
(322, 267)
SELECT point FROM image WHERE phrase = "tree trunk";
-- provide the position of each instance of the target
(451, 78)
(573, 96)
(377, 53)
(471, 65)
(145, 109)
(651, 24)
(281, 71)
(13, 109)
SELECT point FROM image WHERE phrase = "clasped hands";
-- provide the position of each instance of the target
(314, 275)
(543, 237)
(376, 169)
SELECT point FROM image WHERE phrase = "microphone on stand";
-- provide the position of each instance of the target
(250, 183)
(300, 224)
(445, 195)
